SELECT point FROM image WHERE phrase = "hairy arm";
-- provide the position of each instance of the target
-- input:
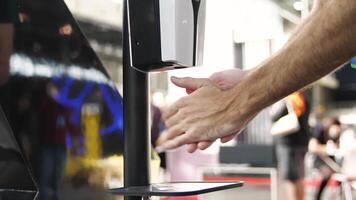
(325, 42)
(317, 6)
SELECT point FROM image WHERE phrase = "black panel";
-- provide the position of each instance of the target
(254, 155)
(14, 171)
(145, 34)
(346, 78)
(18, 195)
(64, 110)
(136, 122)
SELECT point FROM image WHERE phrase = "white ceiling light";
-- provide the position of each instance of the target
(298, 5)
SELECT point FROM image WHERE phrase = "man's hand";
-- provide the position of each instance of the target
(223, 80)
(315, 51)
(197, 118)
(228, 79)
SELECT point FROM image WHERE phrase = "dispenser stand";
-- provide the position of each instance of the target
(137, 143)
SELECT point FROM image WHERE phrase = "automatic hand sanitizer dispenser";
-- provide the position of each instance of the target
(166, 34)
(157, 35)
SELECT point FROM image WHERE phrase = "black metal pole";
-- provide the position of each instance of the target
(136, 120)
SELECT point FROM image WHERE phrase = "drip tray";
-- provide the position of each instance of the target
(176, 188)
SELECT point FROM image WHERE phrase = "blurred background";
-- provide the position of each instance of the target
(64, 102)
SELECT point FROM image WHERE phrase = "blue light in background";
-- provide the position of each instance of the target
(353, 63)
(110, 95)
(114, 102)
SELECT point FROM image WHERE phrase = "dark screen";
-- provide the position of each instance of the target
(63, 108)
(347, 80)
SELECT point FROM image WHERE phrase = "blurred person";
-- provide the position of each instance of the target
(25, 123)
(314, 50)
(157, 126)
(291, 148)
(55, 125)
(156, 123)
(91, 121)
(324, 145)
(8, 17)
(348, 139)
(348, 152)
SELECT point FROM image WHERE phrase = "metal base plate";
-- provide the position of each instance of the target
(175, 188)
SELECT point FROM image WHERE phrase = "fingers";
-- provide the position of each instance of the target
(205, 144)
(226, 80)
(216, 77)
(191, 148)
(190, 84)
(189, 91)
(174, 143)
(171, 133)
(173, 120)
(173, 109)
(231, 137)
(227, 138)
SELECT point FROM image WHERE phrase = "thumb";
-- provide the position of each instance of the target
(190, 84)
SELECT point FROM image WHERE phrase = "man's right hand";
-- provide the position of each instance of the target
(223, 80)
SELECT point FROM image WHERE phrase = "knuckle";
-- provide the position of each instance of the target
(182, 102)
(184, 113)
(192, 134)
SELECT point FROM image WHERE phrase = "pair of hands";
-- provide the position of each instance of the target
(200, 118)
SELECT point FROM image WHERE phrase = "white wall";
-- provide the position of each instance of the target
(106, 12)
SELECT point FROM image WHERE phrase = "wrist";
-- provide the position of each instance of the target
(249, 95)
(238, 112)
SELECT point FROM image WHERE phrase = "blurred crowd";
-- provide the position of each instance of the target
(309, 147)
(331, 154)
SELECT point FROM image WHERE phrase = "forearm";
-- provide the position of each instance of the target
(317, 6)
(324, 44)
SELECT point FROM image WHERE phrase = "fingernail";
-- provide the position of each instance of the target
(191, 151)
(159, 149)
(175, 78)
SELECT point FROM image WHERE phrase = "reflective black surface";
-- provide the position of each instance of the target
(136, 112)
(15, 176)
(18, 195)
(63, 109)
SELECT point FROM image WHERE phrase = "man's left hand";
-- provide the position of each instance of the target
(203, 116)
